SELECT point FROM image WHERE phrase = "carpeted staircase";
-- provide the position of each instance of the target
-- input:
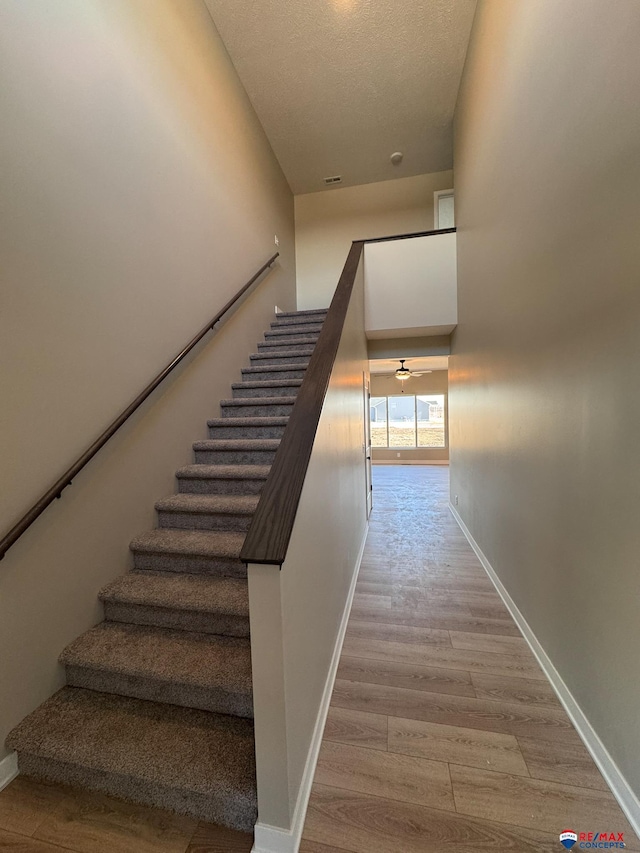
(158, 707)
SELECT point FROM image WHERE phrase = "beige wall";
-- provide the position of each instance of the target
(384, 385)
(409, 347)
(296, 613)
(139, 192)
(423, 270)
(544, 409)
(327, 222)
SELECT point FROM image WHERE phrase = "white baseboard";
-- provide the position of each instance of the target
(271, 839)
(620, 788)
(410, 461)
(8, 769)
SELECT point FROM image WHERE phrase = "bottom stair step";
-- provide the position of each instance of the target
(192, 762)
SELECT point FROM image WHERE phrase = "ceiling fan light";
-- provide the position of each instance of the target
(402, 372)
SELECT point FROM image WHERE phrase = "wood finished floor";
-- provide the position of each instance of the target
(44, 818)
(443, 735)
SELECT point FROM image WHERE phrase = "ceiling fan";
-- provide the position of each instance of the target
(403, 373)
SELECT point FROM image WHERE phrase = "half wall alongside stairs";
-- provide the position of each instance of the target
(298, 613)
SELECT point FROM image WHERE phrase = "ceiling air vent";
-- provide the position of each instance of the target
(336, 179)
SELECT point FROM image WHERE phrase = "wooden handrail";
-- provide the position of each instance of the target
(65, 480)
(272, 524)
(409, 236)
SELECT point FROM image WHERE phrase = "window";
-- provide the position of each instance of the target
(430, 417)
(402, 421)
(379, 422)
(443, 209)
(408, 421)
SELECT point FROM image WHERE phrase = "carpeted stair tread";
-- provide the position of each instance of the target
(206, 504)
(310, 312)
(236, 504)
(273, 371)
(299, 354)
(224, 472)
(249, 426)
(288, 343)
(237, 479)
(295, 322)
(250, 406)
(259, 401)
(200, 603)
(204, 661)
(197, 593)
(201, 543)
(235, 451)
(279, 420)
(193, 761)
(268, 383)
(237, 443)
(291, 330)
(273, 368)
(304, 322)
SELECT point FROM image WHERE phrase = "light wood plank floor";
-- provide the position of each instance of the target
(443, 735)
(44, 818)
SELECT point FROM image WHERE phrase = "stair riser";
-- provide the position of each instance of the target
(229, 810)
(234, 457)
(239, 432)
(287, 345)
(256, 410)
(222, 486)
(279, 332)
(265, 375)
(154, 690)
(179, 620)
(204, 521)
(225, 567)
(301, 355)
(242, 393)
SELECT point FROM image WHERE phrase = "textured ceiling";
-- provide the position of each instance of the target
(339, 85)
